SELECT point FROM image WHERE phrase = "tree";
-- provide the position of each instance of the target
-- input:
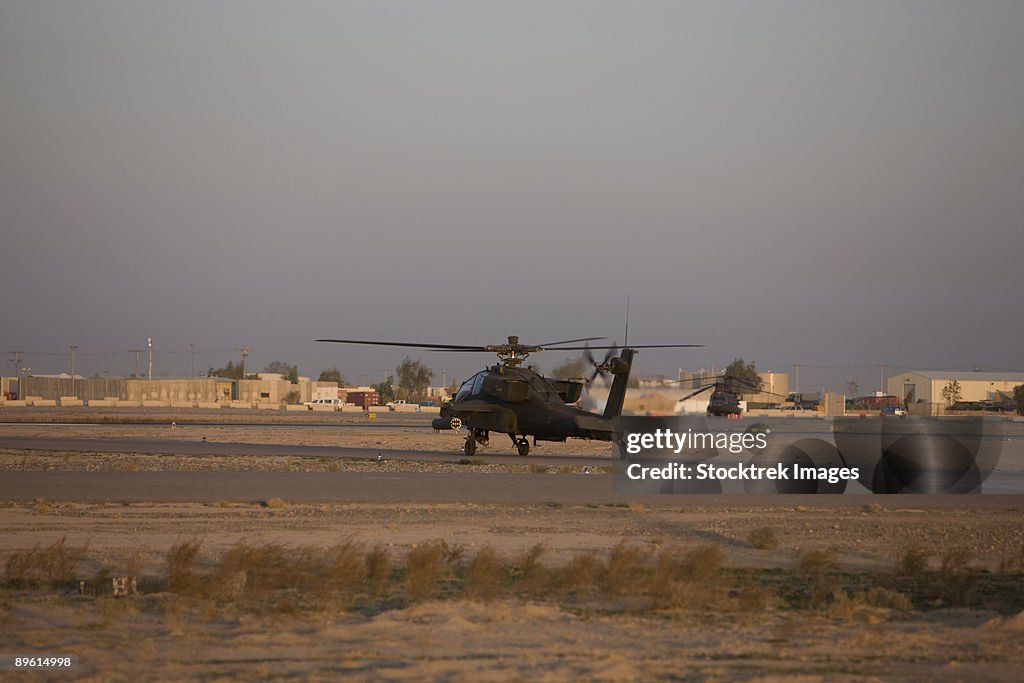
(574, 367)
(742, 377)
(951, 393)
(289, 372)
(229, 371)
(385, 390)
(332, 375)
(852, 388)
(1018, 398)
(413, 379)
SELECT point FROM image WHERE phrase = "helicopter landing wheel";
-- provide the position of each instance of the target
(523, 446)
(470, 448)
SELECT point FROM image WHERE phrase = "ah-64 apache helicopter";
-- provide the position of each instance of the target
(520, 402)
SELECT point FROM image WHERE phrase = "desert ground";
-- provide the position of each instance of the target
(309, 587)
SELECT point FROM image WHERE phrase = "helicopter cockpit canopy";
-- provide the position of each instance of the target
(471, 387)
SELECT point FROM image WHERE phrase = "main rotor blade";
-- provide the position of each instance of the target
(440, 347)
(570, 341)
(699, 391)
(634, 346)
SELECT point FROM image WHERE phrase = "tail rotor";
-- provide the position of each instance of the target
(605, 366)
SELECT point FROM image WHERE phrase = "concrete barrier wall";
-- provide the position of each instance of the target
(183, 404)
(85, 388)
(294, 408)
(269, 406)
(208, 405)
(70, 401)
(126, 403)
(102, 402)
(156, 404)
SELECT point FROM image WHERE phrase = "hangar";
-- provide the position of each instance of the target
(925, 386)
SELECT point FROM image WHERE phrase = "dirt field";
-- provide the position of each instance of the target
(892, 589)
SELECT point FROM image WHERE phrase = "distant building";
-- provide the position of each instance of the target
(926, 385)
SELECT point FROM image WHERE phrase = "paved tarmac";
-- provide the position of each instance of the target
(182, 447)
(207, 487)
(505, 488)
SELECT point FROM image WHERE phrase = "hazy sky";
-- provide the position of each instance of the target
(824, 183)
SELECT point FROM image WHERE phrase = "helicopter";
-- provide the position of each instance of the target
(726, 395)
(520, 402)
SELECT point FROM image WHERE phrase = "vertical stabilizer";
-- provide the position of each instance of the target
(620, 368)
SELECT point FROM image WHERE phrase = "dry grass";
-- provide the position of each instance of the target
(180, 564)
(912, 562)
(763, 538)
(537, 468)
(275, 503)
(819, 570)
(580, 576)
(485, 575)
(49, 567)
(378, 569)
(817, 562)
(281, 580)
(346, 569)
(686, 579)
(638, 508)
(532, 578)
(702, 563)
(957, 578)
(426, 566)
(627, 565)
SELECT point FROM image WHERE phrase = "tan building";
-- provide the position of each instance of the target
(927, 385)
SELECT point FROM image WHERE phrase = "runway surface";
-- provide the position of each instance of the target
(183, 447)
(410, 486)
(207, 487)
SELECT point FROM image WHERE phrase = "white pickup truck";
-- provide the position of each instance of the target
(324, 404)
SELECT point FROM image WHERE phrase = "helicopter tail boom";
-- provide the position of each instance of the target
(620, 368)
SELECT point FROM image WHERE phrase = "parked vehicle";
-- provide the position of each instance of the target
(334, 403)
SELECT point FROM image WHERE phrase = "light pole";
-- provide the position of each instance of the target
(149, 343)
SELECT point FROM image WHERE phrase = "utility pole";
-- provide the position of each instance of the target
(881, 379)
(192, 350)
(245, 357)
(797, 368)
(149, 343)
(73, 349)
(136, 352)
(16, 361)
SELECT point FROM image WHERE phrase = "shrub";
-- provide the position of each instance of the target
(424, 568)
(52, 567)
(763, 538)
(485, 575)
